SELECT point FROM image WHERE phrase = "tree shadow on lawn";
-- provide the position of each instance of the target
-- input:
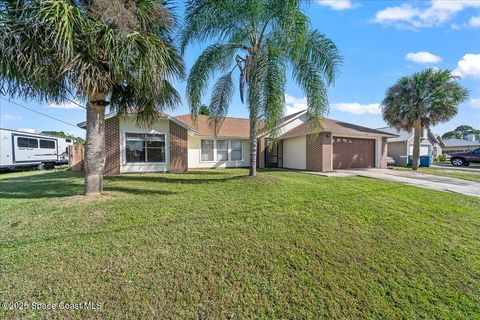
(68, 235)
(169, 179)
(45, 185)
(57, 184)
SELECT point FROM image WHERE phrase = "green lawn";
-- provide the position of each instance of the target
(217, 244)
(446, 172)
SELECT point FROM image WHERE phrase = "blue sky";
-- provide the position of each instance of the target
(380, 42)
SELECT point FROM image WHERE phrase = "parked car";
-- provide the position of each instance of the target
(390, 161)
(465, 158)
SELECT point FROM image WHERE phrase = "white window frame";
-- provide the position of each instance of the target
(231, 149)
(227, 150)
(215, 149)
(126, 162)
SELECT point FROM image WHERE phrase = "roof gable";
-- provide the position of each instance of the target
(161, 115)
(460, 143)
(333, 126)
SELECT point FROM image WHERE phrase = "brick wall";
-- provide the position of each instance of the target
(112, 147)
(178, 148)
(319, 152)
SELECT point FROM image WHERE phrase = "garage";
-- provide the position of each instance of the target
(353, 153)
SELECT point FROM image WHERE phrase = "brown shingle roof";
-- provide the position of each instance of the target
(331, 125)
(231, 127)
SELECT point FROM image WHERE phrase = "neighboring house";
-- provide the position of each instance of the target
(459, 145)
(177, 144)
(401, 147)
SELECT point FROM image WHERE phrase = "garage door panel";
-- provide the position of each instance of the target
(353, 153)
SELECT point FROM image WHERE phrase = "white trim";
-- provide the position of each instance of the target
(300, 113)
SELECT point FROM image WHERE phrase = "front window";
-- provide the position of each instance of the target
(236, 153)
(207, 150)
(222, 150)
(142, 147)
(476, 151)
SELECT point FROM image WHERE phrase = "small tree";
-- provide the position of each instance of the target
(115, 53)
(422, 100)
(259, 40)
(204, 110)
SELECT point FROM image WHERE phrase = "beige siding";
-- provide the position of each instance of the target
(398, 151)
(194, 151)
(294, 153)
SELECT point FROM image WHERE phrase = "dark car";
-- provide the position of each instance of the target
(465, 158)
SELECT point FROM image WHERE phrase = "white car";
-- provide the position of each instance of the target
(390, 161)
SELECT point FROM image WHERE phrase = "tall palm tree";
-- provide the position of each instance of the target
(115, 53)
(422, 100)
(260, 40)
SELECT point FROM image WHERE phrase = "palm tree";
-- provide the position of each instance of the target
(113, 53)
(422, 100)
(259, 40)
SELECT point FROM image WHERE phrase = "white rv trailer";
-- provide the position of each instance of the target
(24, 149)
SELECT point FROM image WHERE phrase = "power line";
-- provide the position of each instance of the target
(43, 114)
(75, 103)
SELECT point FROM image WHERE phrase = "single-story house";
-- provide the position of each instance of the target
(401, 146)
(459, 145)
(177, 144)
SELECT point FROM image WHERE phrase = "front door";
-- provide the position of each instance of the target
(271, 154)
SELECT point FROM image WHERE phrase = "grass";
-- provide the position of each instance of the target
(445, 172)
(217, 244)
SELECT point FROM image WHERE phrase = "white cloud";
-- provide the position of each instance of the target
(455, 26)
(337, 4)
(434, 14)
(475, 103)
(68, 105)
(405, 12)
(423, 57)
(474, 22)
(293, 104)
(357, 108)
(9, 117)
(468, 66)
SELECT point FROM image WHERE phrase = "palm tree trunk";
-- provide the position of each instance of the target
(253, 145)
(416, 144)
(95, 144)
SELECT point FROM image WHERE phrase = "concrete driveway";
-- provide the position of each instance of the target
(422, 180)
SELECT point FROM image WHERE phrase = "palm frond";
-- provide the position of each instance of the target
(431, 96)
(217, 57)
(212, 19)
(274, 88)
(219, 102)
(310, 80)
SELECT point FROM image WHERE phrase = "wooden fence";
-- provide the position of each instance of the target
(75, 157)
